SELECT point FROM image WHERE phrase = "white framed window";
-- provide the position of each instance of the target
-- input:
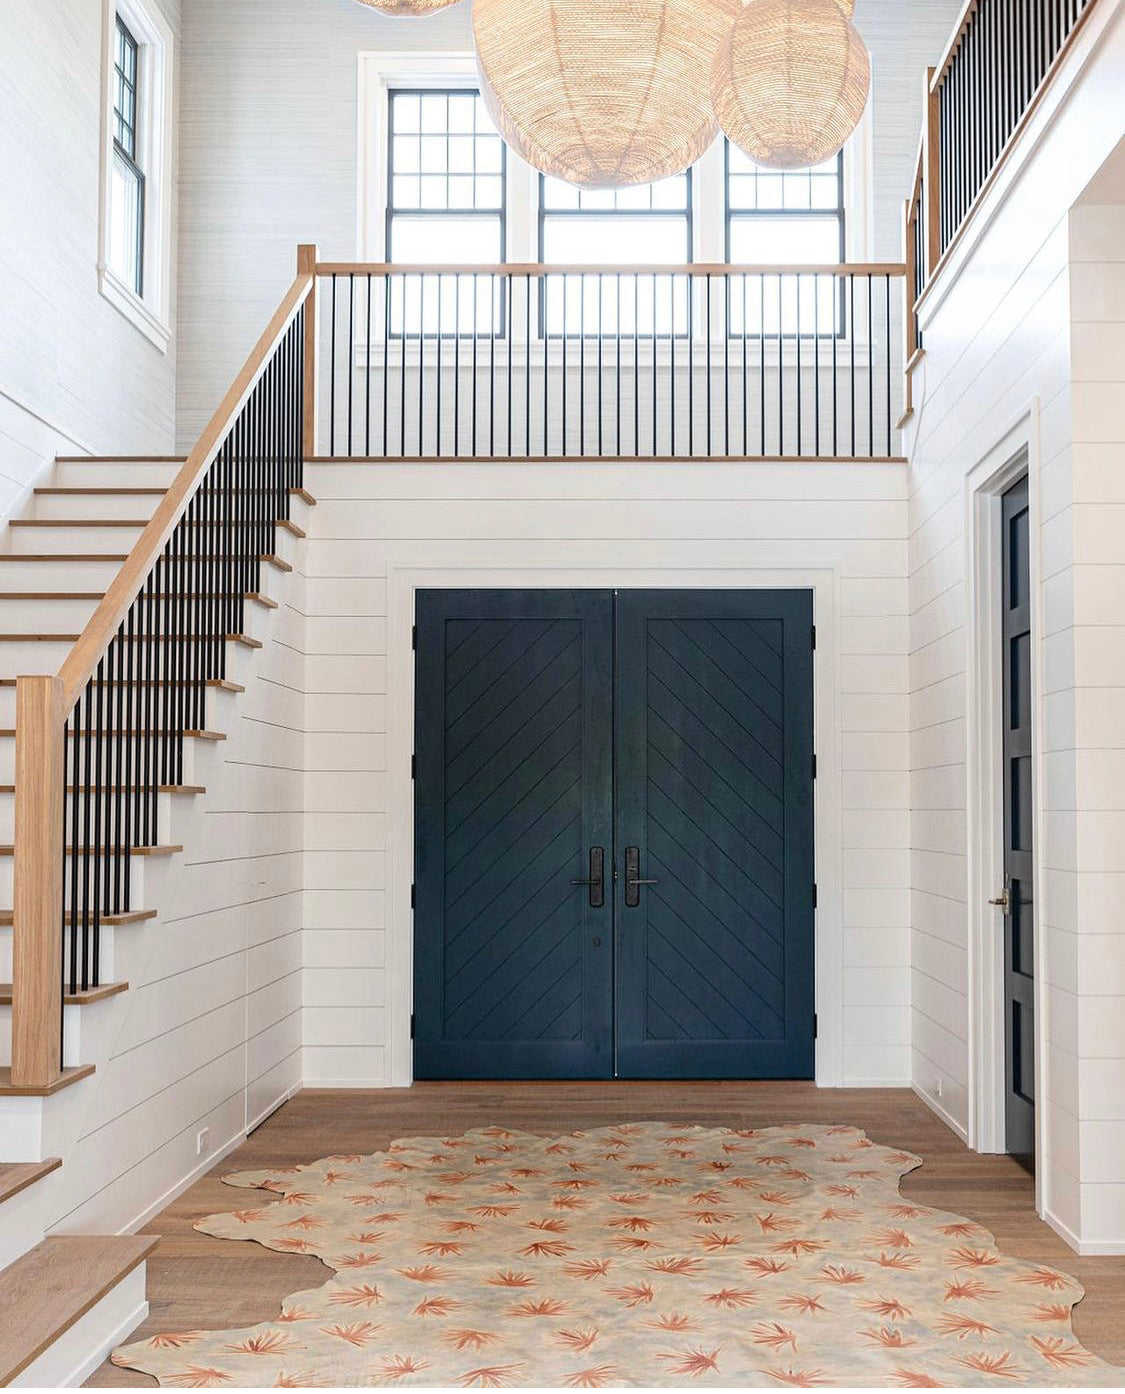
(135, 243)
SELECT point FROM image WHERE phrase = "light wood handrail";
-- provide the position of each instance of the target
(534, 269)
(123, 589)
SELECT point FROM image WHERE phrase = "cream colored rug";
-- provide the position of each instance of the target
(646, 1254)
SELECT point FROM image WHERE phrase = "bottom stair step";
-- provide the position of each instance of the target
(8, 1089)
(52, 1287)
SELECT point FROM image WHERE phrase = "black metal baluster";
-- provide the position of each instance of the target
(332, 376)
(800, 421)
(636, 363)
(367, 396)
(386, 358)
(565, 334)
(402, 370)
(421, 363)
(351, 355)
(476, 340)
(655, 341)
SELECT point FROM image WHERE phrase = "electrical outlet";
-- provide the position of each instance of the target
(203, 1142)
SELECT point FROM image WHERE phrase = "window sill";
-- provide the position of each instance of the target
(129, 304)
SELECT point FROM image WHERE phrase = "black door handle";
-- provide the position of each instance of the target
(633, 878)
(596, 879)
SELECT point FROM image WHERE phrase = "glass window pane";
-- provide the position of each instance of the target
(406, 155)
(769, 241)
(461, 106)
(126, 214)
(434, 112)
(406, 112)
(615, 240)
(435, 241)
(428, 241)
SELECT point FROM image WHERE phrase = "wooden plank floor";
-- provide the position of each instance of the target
(198, 1282)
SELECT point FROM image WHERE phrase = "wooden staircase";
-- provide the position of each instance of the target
(105, 552)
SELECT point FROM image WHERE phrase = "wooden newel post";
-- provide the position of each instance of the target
(307, 255)
(38, 869)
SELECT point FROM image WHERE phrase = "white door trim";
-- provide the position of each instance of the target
(403, 581)
(1015, 451)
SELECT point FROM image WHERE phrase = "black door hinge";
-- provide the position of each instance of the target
(815, 1027)
(414, 767)
(414, 636)
(814, 767)
(814, 897)
(411, 1025)
(413, 895)
(814, 636)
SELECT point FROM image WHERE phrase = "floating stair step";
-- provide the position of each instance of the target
(39, 638)
(56, 557)
(51, 595)
(8, 1090)
(17, 1176)
(44, 1293)
(82, 998)
(291, 527)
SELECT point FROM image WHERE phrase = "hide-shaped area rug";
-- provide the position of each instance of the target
(644, 1254)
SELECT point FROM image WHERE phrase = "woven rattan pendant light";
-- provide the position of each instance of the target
(410, 7)
(602, 93)
(791, 81)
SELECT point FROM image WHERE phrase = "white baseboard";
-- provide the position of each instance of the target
(1085, 1248)
(78, 1352)
(351, 1083)
(947, 1118)
(212, 1159)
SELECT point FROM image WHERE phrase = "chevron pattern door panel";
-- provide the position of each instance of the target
(513, 962)
(714, 947)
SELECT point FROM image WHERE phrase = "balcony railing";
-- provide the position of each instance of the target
(610, 362)
(998, 63)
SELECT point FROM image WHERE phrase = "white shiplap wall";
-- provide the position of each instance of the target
(75, 375)
(998, 363)
(378, 530)
(269, 151)
(1092, 945)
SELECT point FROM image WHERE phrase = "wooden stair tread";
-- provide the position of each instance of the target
(56, 557)
(291, 527)
(9, 734)
(55, 491)
(82, 998)
(17, 1176)
(78, 523)
(133, 788)
(157, 850)
(130, 917)
(52, 595)
(39, 638)
(120, 459)
(7, 1088)
(46, 1291)
(224, 684)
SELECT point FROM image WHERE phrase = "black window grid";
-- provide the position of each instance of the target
(497, 212)
(126, 70)
(732, 214)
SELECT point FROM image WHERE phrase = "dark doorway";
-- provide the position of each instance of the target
(614, 835)
(1018, 899)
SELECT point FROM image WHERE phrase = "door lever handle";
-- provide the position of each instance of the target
(596, 878)
(633, 878)
(1004, 902)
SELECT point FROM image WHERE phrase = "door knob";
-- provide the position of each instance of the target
(633, 878)
(596, 878)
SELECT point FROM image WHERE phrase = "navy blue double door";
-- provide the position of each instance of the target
(614, 835)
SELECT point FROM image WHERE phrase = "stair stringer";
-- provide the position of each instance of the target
(264, 728)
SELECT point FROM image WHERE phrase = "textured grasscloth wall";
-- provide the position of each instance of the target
(269, 150)
(74, 372)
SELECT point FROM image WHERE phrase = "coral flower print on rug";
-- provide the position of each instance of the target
(645, 1254)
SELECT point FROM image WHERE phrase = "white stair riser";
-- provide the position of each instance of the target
(136, 879)
(113, 475)
(44, 616)
(78, 1352)
(31, 656)
(93, 505)
(193, 758)
(108, 954)
(72, 1037)
(17, 574)
(116, 539)
(165, 806)
(22, 1226)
